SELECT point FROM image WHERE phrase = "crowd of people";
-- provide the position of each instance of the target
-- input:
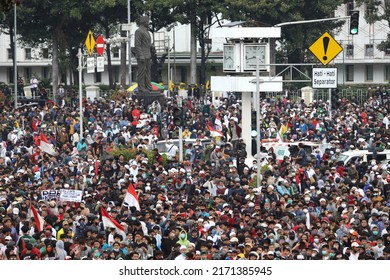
(207, 206)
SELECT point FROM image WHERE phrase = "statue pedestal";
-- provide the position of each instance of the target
(150, 97)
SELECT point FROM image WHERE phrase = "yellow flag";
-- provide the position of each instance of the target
(171, 85)
(208, 84)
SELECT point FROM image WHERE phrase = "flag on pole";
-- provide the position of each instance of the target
(131, 197)
(46, 146)
(37, 218)
(110, 222)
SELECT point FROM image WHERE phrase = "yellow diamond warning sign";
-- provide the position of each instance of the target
(90, 43)
(325, 48)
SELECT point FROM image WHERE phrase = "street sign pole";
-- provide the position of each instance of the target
(257, 100)
(80, 92)
(330, 103)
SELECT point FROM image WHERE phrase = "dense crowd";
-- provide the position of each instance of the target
(207, 206)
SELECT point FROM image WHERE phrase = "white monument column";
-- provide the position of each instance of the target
(246, 123)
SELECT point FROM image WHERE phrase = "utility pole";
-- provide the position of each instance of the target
(129, 42)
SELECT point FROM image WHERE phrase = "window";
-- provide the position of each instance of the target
(10, 54)
(46, 72)
(115, 52)
(387, 72)
(45, 53)
(350, 72)
(349, 51)
(11, 75)
(369, 73)
(27, 73)
(27, 52)
(98, 77)
(387, 51)
(369, 50)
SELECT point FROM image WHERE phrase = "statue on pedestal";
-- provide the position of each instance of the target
(143, 43)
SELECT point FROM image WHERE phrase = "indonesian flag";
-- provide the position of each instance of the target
(131, 197)
(110, 222)
(37, 218)
(218, 123)
(214, 132)
(46, 146)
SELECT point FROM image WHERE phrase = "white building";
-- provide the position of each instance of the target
(359, 63)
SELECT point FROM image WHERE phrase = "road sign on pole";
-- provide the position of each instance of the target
(100, 45)
(90, 42)
(324, 78)
(90, 65)
(100, 64)
(325, 48)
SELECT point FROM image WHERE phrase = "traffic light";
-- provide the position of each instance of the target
(354, 23)
(177, 114)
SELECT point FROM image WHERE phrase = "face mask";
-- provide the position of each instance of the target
(313, 255)
(324, 252)
(97, 255)
(116, 250)
(331, 255)
(182, 236)
(271, 240)
(316, 240)
(380, 245)
(305, 211)
(307, 199)
(343, 205)
(375, 232)
(289, 201)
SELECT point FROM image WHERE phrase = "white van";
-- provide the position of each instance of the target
(282, 149)
(162, 148)
(364, 155)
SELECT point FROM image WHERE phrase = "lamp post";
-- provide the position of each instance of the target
(80, 68)
(129, 42)
(257, 107)
(15, 61)
(169, 28)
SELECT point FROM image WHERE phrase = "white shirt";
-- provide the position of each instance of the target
(171, 150)
(386, 122)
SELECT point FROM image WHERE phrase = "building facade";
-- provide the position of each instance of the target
(360, 62)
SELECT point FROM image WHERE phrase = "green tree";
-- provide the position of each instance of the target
(295, 39)
(108, 14)
(49, 23)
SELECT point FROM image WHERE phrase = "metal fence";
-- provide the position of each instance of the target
(358, 96)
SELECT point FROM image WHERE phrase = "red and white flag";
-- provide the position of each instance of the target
(131, 198)
(46, 146)
(214, 132)
(37, 218)
(218, 123)
(110, 222)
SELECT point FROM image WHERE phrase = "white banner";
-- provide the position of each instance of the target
(324, 78)
(100, 64)
(71, 195)
(90, 65)
(49, 194)
(195, 270)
